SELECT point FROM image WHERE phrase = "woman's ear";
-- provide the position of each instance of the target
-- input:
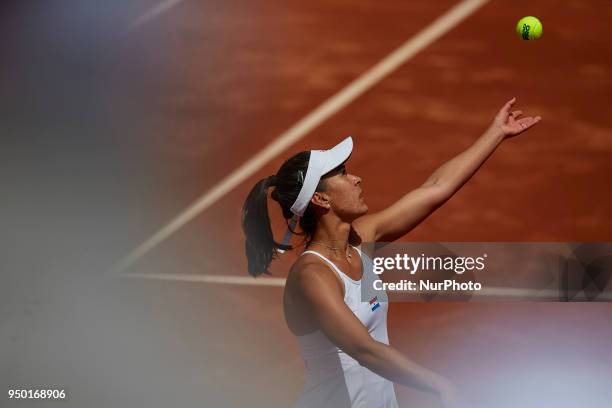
(321, 199)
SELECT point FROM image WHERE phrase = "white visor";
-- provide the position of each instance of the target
(320, 163)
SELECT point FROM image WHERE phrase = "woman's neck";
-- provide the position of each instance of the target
(332, 232)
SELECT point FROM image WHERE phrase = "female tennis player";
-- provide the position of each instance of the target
(343, 340)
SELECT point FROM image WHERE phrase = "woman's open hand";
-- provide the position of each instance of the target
(509, 123)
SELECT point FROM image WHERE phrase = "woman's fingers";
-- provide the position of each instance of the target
(511, 122)
(516, 114)
(509, 104)
(528, 122)
(505, 111)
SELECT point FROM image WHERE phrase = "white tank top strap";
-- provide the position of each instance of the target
(346, 280)
(327, 261)
(334, 268)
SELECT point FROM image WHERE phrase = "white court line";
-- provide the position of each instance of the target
(367, 80)
(492, 292)
(153, 12)
(223, 279)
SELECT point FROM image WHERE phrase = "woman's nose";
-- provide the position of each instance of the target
(357, 179)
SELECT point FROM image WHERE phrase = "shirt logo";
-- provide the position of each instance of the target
(374, 303)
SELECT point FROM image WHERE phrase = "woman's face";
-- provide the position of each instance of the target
(345, 194)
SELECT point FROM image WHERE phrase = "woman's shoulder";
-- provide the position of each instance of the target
(308, 266)
(309, 271)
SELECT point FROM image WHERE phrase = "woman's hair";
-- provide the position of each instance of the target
(287, 182)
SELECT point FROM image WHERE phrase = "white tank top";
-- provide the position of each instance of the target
(333, 378)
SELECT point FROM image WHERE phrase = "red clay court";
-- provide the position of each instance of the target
(199, 88)
(240, 74)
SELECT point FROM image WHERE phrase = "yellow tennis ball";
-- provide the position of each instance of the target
(529, 28)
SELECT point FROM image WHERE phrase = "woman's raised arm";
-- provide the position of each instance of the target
(408, 212)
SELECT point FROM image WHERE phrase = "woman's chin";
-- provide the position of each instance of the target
(364, 208)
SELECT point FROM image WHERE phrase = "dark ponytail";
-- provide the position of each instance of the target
(260, 246)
